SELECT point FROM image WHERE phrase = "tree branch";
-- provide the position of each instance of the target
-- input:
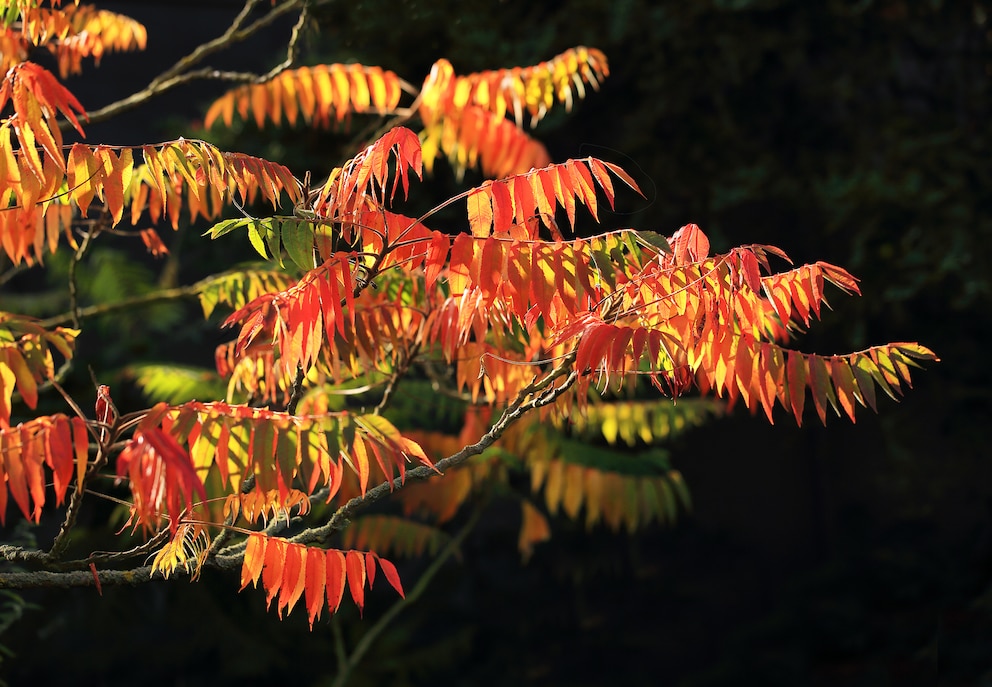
(545, 393)
(180, 73)
(107, 308)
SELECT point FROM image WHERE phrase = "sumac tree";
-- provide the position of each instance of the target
(534, 337)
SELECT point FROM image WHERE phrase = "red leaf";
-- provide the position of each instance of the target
(96, 579)
(393, 577)
(336, 576)
(355, 563)
(502, 207)
(370, 567)
(689, 244)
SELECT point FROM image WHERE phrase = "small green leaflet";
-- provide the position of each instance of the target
(265, 234)
(653, 238)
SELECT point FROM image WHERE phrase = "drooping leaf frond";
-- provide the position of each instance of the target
(317, 94)
(71, 34)
(641, 422)
(629, 490)
(53, 441)
(479, 138)
(187, 549)
(293, 571)
(234, 441)
(258, 504)
(514, 91)
(182, 173)
(160, 475)
(175, 384)
(389, 533)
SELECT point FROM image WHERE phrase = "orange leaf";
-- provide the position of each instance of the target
(153, 243)
(316, 579)
(534, 528)
(844, 383)
(272, 573)
(251, 565)
(293, 577)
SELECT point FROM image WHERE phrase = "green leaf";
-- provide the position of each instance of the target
(225, 227)
(653, 238)
(255, 237)
(297, 237)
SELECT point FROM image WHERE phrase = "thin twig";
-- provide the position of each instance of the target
(394, 379)
(365, 643)
(12, 272)
(544, 392)
(338, 635)
(180, 73)
(73, 286)
(297, 390)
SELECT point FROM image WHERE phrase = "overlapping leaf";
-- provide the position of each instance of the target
(321, 320)
(187, 549)
(497, 205)
(293, 572)
(26, 358)
(160, 475)
(53, 441)
(227, 443)
(479, 138)
(37, 98)
(364, 180)
(71, 34)
(178, 174)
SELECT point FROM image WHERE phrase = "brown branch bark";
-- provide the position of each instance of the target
(182, 71)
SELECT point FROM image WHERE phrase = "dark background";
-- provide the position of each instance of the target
(850, 132)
